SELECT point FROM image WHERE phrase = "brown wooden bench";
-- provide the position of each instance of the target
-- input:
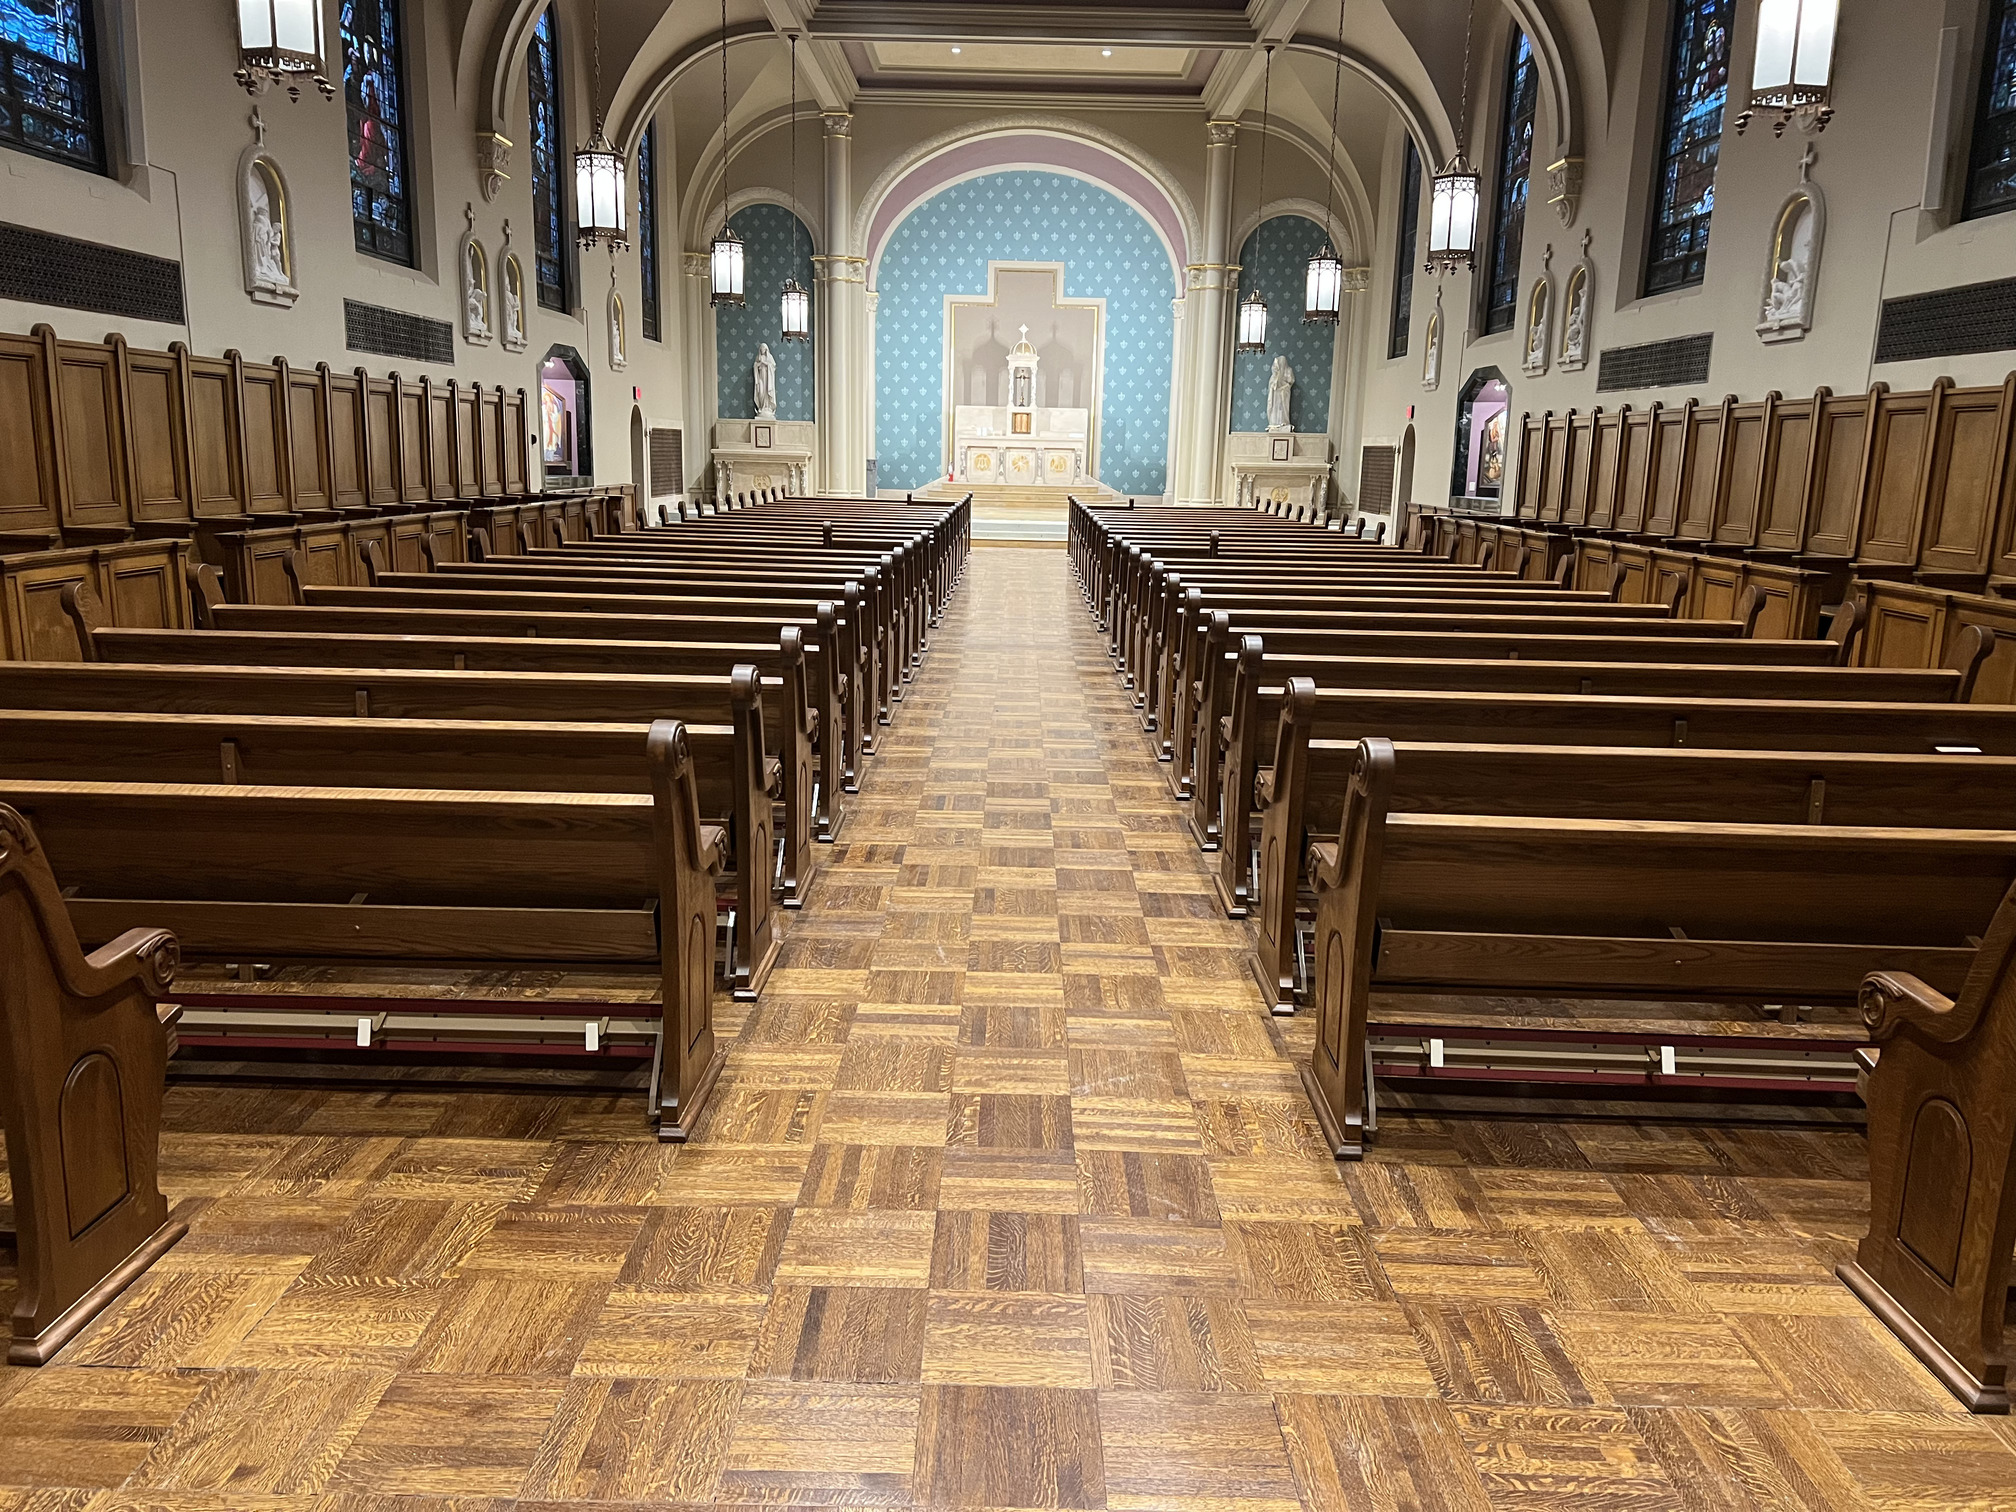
(398, 912)
(87, 1047)
(726, 753)
(1935, 1265)
(1301, 795)
(1574, 909)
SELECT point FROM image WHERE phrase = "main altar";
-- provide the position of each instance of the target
(1020, 443)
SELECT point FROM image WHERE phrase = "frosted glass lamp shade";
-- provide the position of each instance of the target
(281, 42)
(795, 312)
(1323, 296)
(1252, 323)
(599, 204)
(1793, 71)
(1452, 217)
(724, 270)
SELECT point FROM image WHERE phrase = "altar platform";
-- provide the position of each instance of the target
(1006, 514)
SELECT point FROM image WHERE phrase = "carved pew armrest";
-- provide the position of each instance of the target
(1890, 1000)
(1325, 863)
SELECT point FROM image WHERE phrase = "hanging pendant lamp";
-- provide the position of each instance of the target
(1323, 288)
(1458, 190)
(795, 307)
(1252, 329)
(281, 42)
(1794, 68)
(724, 259)
(599, 207)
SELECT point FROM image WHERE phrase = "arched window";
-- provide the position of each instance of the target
(374, 76)
(1515, 170)
(1991, 163)
(1403, 265)
(549, 198)
(49, 82)
(1683, 197)
(647, 228)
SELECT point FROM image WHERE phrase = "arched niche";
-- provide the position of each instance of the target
(1483, 416)
(566, 420)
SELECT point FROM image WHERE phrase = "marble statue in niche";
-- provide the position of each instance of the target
(1576, 310)
(266, 226)
(1792, 264)
(766, 383)
(1431, 356)
(474, 268)
(1280, 395)
(513, 295)
(619, 333)
(1539, 320)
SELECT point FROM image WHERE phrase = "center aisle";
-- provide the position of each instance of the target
(1058, 1085)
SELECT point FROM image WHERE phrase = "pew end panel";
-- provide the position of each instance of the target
(83, 1063)
(1935, 1266)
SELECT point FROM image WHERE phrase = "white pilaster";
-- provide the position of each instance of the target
(840, 324)
(1210, 284)
(702, 391)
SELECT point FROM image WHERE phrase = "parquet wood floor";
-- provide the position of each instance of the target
(1010, 1199)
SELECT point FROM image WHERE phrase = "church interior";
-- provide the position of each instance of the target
(1348, 866)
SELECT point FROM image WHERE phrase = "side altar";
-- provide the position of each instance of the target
(1020, 443)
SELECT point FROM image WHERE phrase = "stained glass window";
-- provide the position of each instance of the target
(1991, 165)
(647, 226)
(48, 81)
(1515, 171)
(1684, 195)
(374, 88)
(1403, 267)
(549, 197)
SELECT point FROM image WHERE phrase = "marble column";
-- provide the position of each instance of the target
(1211, 286)
(703, 396)
(840, 324)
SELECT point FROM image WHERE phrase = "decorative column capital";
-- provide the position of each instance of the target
(698, 264)
(831, 268)
(838, 123)
(1565, 179)
(493, 161)
(1221, 133)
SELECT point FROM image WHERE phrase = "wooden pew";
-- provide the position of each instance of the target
(86, 1054)
(731, 769)
(1935, 1265)
(1301, 795)
(606, 901)
(1489, 905)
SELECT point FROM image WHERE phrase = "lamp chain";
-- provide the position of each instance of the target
(1336, 85)
(596, 31)
(724, 115)
(1463, 128)
(1266, 98)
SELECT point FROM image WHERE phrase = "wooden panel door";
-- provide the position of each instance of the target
(264, 408)
(1966, 493)
(1840, 458)
(91, 429)
(516, 439)
(216, 455)
(1701, 482)
(1532, 464)
(307, 439)
(1672, 436)
(468, 443)
(1739, 498)
(1893, 491)
(1788, 468)
(490, 441)
(29, 492)
(440, 443)
(157, 432)
(1554, 485)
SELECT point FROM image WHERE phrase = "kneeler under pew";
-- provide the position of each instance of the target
(84, 1051)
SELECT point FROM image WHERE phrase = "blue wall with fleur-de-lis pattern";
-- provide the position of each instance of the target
(1275, 260)
(774, 247)
(1109, 251)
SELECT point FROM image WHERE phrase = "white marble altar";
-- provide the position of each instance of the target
(1020, 443)
(1258, 473)
(764, 454)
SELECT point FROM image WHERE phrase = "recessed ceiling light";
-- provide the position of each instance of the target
(1105, 52)
(955, 52)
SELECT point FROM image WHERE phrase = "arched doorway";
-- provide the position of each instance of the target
(1404, 489)
(1482, 412)
(640, 464)
(566, 432)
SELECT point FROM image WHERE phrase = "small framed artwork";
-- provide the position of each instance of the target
(1281, 446)
(760, 436)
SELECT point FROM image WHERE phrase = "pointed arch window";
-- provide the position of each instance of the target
(1515, 172)
(1403, 264)
(647, 229)
(1697, 88)
(549, 195)
(1991, 161)
(374, 93)
(49, 82)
